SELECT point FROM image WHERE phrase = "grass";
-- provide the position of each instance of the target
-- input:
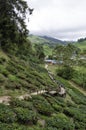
(80, 69)
(53, 68)
(81, 45)
(47, 50)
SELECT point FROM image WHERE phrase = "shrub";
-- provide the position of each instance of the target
(80, 78)
(2, 60)
(42, 105)
(76, 113)
(13, 85)
(12, 77)
(5, 126)
(12, 69)
(60, 121)
(3, 71)
(23, 104)
(6, 114)
(2, 78)
(26, 116)
(66, 72)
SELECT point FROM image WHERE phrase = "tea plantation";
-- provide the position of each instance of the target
(19, 76)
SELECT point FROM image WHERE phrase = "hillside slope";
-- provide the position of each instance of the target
(19, 76)
(81, 45)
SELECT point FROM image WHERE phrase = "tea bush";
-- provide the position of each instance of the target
(6, 114)
(26, 116)
(60, 121)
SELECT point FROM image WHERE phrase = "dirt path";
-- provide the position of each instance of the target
(22, 97)
(7, 99)
(77, 87)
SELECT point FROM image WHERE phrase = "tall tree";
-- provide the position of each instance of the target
(59, 52)
(12, 22)
(39, 51)
(67, 53)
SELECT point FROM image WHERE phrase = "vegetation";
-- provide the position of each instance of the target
(22, 74)
(66, 72)
(81, 43)
(12, 14)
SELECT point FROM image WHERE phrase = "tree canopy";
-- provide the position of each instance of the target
(66, 53)
(12, 22)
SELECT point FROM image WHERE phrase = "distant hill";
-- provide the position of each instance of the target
(51, 39)
(45, 40)
(81, 45)
(50, 42)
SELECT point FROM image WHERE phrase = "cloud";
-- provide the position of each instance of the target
(58, 18)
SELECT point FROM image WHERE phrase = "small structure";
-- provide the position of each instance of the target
(49, 61)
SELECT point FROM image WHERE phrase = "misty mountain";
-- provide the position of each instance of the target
(45, 40)
(51, 39)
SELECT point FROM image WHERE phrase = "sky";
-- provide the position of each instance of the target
(62, 19)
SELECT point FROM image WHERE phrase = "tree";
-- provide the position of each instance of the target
(59, 52)
(39, 51)
(66, 72)
(12, 22)
(70, 55)
(66, 53)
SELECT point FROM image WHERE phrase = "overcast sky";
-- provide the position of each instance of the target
(62, 19)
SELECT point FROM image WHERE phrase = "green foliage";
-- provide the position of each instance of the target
(42, 106)
(66, 54)
(23, 104)
(6, 114)
(39, 51)
(21, 75)
(26, 116)
(78, 115)
(75, 94)
(2, 78)
(60, 121)
(81, 39)
(79, 77)
(81, 44)
(2, 60)
(4, 71)
(13, 126)
(66, 72)
(12, 77)
(10, 19)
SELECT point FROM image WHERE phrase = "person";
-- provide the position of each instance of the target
(62, 91)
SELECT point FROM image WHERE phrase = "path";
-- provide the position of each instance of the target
(70, 82)
(7, 99)
(77, 87)
(25, 96)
